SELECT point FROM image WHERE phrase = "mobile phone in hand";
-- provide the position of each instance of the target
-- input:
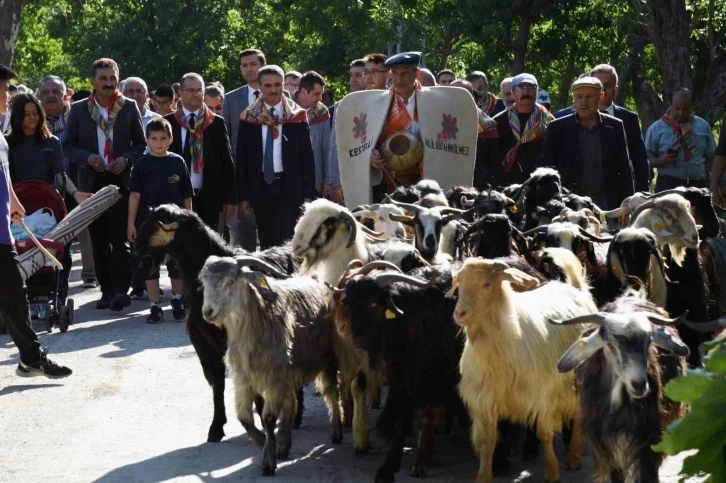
(672, 151)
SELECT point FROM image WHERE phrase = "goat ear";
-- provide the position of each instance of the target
(658, 225)
(259, 283)
(665, 340)
(616, 266)
(698, 227)
(519, 280)
(452, 290)
(579, 352)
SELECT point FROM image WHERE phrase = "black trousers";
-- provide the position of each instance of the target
(209, 214)
(111, 249)
(276, 214)
(665, 182)
(247, 229)
(14, 305)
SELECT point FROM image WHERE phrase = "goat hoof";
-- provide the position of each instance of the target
(215, 435)
(573, 463)
(384, 477)
(297, 421)
(283, 453)
(362, 450)
(419, 472)
(268, 470)
(337, 437)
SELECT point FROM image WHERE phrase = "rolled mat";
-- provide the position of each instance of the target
(76, 221)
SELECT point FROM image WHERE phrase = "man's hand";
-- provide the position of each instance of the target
(118, 165)
(228, 211)
(326, 191)
(17, 211)
(81, 196)
(337, 195)
(96, 162)
(244, 208)
(668, 159)
(131, 232)
(716, 198)
(376, 160)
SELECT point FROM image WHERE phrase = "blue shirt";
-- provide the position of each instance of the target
(6, 238)
(660, 137)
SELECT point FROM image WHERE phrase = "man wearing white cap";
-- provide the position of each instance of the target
(589, 149)
(521, 129)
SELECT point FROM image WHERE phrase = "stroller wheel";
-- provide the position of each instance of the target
(66, 316)
(49, 318)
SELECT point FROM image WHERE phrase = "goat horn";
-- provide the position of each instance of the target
(333, 289)
(374, 234)
(353, 264)
(594, 238)
(248, 261)
(407, 206)
(645, 206)
(350, 220)
(596, 318)
(538, 229)
(169, 226)
(386, 279)
(675, 191)
(708, 327)
(657, 319)
(466, 202)
(445, 210)
(380, 265)
(623, 210)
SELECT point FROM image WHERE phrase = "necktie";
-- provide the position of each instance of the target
(257, 95)
(269, 166)
(187, 153)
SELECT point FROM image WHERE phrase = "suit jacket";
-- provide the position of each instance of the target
(561, 151)
(80, 140)
(218, 186)
(636, 145)
(297, 162)
(235, 102)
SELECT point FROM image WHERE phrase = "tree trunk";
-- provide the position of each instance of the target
(520, 45)
(713, 97)
(649, 106)
(669, 28)
(11, 10)
(564, 99)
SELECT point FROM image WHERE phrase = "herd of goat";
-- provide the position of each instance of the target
(501, 308)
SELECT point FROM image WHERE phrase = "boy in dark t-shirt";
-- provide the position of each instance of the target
(158, 177)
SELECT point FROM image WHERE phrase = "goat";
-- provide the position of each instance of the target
(570, 236)
(669, 218)
(427, 224)
(544, 215)
(406, 194)
(490, 201)
(380, 215)
(461, 197)
(508, 364)
(578, 203)
(621, 366)
(543, 185)
(583, 217)
(406, 322)
(182, 235)
(279, 340)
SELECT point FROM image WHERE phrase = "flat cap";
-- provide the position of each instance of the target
(404, 58)
(543, 97)
(588, 81)
(524, 79)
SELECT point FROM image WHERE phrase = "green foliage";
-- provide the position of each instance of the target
(704, 428)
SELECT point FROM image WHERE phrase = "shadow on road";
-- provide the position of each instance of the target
(24, 387)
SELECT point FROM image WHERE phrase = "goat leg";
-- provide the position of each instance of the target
(551, 465)
(573, 460)
(300, 408)
(647, 465)
(426, 442)
(374, 388)
(211, 357)
(361, 424)
(284, 431)
(484, 440)
(403, 415)
(244, 397)
(269, 451)
(327, 382)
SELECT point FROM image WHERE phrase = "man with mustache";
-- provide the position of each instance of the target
(521, 130)
(488, 102)
(680, 145)
(589, 149)
(104, 137)
(52, 94)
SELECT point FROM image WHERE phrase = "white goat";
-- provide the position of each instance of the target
(279, 339)
(669, 218)
(380, 214)
(509, 364)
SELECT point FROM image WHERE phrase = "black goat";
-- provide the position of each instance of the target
(577, 203)
(490, 201)
(406, 194)
(459, 195)
(543, 185)
(182, 235)
(621, 367)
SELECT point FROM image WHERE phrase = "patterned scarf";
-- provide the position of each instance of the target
(487, 128)
(114, 106)
(682, 131)
(58, 124)
(318, 113)
(488, 104)
(534, 130)
(196, 146)
(258, 113)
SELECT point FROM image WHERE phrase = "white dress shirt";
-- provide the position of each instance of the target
(102, 137)
(251, 97)
(611, 109)
(197, 178)
(276, 144)
(411, 108)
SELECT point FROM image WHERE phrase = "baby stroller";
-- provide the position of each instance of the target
(45, 287)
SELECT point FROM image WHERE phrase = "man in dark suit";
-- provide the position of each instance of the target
(636, 146)
(104, 136)
(236, 101)
(200, 137)
(589, 149)
(275, 166)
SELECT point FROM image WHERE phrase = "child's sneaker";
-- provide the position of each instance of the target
(157, 313)
(177, 308)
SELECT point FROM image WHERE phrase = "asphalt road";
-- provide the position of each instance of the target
(137, 409)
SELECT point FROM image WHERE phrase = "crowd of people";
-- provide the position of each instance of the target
(245, 160)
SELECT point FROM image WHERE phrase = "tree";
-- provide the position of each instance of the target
(10, 19)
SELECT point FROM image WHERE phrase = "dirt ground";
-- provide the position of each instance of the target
(137, 409)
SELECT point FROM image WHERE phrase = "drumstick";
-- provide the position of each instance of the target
(45, 252)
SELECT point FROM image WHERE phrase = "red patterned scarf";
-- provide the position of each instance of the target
(196, 146)
(114, 106)
(318, 113)
(258, 113)
(58, 124)
(488, 104)
(534, 130)
(683, 133)
(487, 128)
